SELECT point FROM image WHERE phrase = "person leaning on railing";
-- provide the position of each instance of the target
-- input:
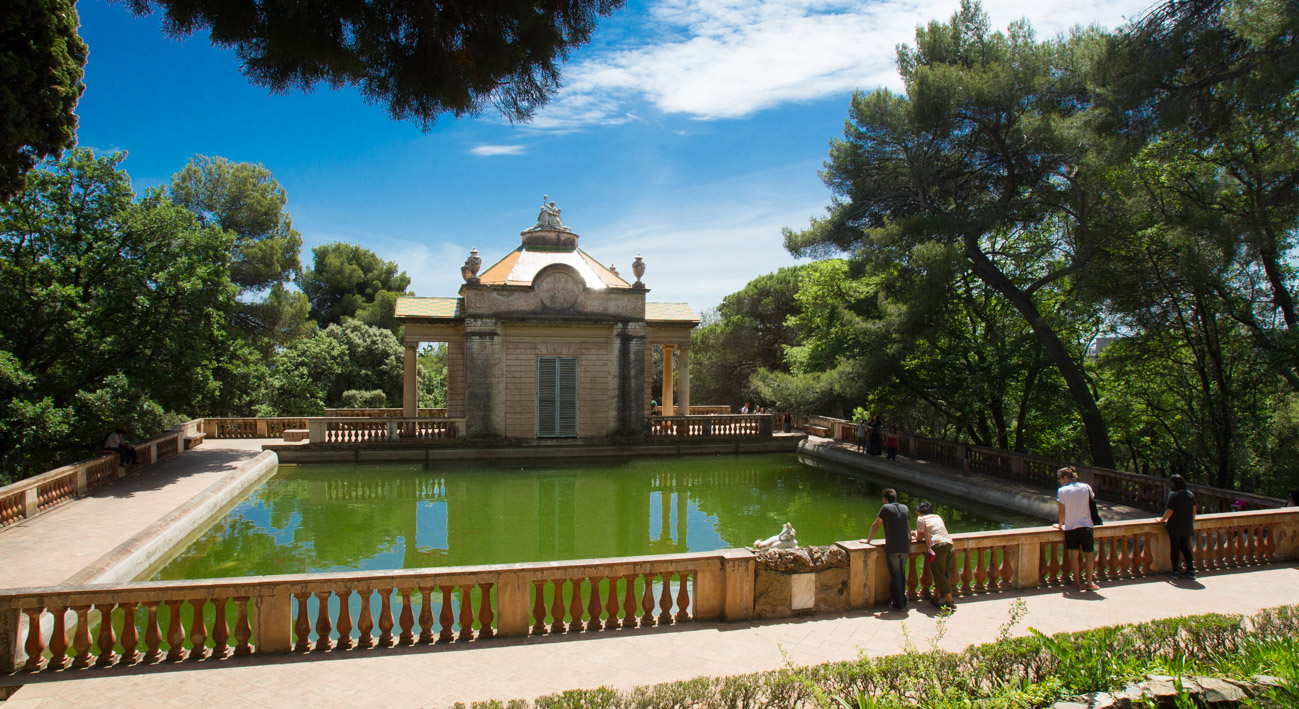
(932, 531)
(116, 443)
(1179, 522)
(1076, 521)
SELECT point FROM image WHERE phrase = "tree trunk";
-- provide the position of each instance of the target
(1098, 440)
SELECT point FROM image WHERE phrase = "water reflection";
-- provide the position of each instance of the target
(346, 517)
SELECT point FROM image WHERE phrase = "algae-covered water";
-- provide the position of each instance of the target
(335, 517)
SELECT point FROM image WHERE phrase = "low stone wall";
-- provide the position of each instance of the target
(804, 581)
(526, 450)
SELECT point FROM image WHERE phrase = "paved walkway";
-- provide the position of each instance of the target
(49, 549)
(523, 668)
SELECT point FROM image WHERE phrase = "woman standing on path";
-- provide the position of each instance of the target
(1179, 521)
(931, 530)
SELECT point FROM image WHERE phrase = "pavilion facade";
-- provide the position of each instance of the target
(548, 343)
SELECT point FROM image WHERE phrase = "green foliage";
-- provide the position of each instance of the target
(418, 59)
(357, 399)
(432, 382)
(114, 311)
(346, 280)
(312, 374)
(41, 60)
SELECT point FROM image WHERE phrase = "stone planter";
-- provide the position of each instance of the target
(804, 581)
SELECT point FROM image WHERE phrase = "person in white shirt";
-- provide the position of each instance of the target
(932, 531)
(1074, 500)
(116, 442)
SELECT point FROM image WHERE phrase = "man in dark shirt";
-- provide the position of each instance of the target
(1179, 521)
(897, 544)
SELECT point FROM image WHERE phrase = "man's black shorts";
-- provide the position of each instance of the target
(1079, 538)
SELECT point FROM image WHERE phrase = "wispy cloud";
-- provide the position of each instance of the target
(711, 59)
(489, 150)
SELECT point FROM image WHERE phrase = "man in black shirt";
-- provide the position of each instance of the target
(896, 519)
(1179, 521)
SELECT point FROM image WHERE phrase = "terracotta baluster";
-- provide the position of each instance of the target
(426, 615)
(1146, 558)
(447, 618)
(243, 628)
(365, 623)
(130, 635)
(912, 578)
(926, 579)
(485, 615)
(594, 606)
(35, 645)
(1044, 573)
(612, 605)
(406, 620)
(665, 600)
(152, 634)
(967, 575)
(197, 630)
(683, 599)
(539, 607)
(980, 574)
(557, 607)
(58, 638)
(1269, 546)
(323, 624)
(220, 630)
(466, 614)
(385, 617)
(302, 624)
(107, 638)
(647, 602)
(575, 606)
(1007, 568)
(629, 602)
(175, 632)
(1251, 546)
(345, 640)
(1118, 557)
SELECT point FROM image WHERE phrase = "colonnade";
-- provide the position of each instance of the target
(682, 382)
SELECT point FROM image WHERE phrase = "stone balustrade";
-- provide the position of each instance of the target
(27, 498)
(45, 629)
(250, 427)
(707, 410)
(362, 429)
(711, 426)
(1132, 488)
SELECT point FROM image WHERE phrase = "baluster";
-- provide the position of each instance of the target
(926, 578)
(1251, 547)
(1138, 561)
(426, 615)
(485, 615)
(175, 633)
(683, 598)
(1118, 552)
(107, 638)
(912, 578)
(130, 635)
(407, 618)
(967, 575)
(665, 600)
(35, 645)
(612, 605)
(628, 619)
(58, 638)
(446, 618)
(466, 614)
(302, 625)
(365, 623)
(539, 608)
(243, 628)
(345, 641)
(1044, 574)
(1269, 546)
(385, 617)
(1007, 569)
(575, 607)
(323, 625)
(152, 634)
(197, 630)
(557, 607)
(647, 602)
(220, 630)
(594, 606)
(980, 573)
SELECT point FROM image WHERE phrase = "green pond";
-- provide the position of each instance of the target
(336, 517)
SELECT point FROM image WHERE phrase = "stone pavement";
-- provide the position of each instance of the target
(524, 668)
(49, 549)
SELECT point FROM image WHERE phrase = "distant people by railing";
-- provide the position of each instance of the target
(116, 442)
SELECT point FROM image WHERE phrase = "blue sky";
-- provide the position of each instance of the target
(689, 131)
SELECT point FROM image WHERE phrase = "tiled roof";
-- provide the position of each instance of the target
(521, 266)
(412, 307)
(670, 312)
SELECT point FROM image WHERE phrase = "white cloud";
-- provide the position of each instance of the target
(710, 59)
(490, 150)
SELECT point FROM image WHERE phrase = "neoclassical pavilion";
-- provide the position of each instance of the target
(549, 343)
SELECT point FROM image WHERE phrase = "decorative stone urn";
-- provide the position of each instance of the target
(470, 270)
(638, 268)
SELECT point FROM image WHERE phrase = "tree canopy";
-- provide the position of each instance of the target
(419, 59)
(346, 280)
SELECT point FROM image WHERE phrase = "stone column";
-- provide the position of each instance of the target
(484, 379)
(409, 389)
(683, 374)
(667, 381)
(629, 416)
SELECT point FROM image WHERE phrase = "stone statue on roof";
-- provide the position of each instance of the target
(548, 217)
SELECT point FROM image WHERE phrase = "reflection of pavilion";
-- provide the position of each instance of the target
(548, 342)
